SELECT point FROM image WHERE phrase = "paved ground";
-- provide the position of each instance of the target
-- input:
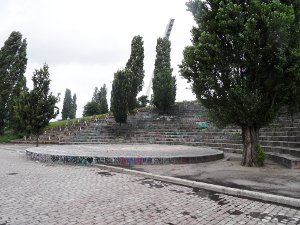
(34, 193)
(272, 178)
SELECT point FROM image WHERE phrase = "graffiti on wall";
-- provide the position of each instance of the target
(117, 161)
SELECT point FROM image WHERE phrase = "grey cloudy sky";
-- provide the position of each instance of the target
(85, 42)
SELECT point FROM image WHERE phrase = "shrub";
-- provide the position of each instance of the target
(260, 155)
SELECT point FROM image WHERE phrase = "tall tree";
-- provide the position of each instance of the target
(67, 110)
(135, 64)
(119, 103)
(36, 108)
(74, 107)
(293, 69)
(13, 63)
(102, 98)
(164, 84)
(95, 95)
(239, 62)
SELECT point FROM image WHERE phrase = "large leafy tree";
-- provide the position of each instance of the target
(36, 108)
(69, 106)
(164, 84)
(13, 63)
(239, 62)
(293, 61)
(135, 64)
(119, 103)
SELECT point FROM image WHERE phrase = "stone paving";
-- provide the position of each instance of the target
(35, 193)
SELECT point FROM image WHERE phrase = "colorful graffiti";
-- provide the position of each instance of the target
(117, 161)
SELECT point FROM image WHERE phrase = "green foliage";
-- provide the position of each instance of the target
(119, 103)
(238, 59)
(69, 106)
(91, 108)
(244, 61)
(8, 136)
(36, 108)
(100, 96)
(292, 89)
(164, 85)
(74, 107)
(62, 123)
(13, 63)
(135, 64)
(143, 101)
(260, 155)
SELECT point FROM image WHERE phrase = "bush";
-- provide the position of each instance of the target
(260, 155)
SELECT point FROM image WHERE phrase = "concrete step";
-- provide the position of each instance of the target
(289, 144)
(281, 133)
(279, 129)
(282, 150)
(287, 160)
(280, 138)
(223, 140)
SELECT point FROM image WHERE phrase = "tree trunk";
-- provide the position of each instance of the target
(250, 141)
(37, 141)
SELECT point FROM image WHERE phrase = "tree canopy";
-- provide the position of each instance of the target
(98, 105)
(34, 109)
(69, 106)
(239, 62)
(164, 84)
(13, 61)
(119, 103)
(91, 108)
(135, 64)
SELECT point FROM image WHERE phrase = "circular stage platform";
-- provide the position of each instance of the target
(123, 154)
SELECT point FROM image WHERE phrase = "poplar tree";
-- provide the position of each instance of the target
(74, 107)
(102, 98)
(164, 84)
(119, 93)
(135, 64)
(34, 109)
(13, 63)
(67, 110)
(243, 62)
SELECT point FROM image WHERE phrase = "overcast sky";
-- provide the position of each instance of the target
(85, 42)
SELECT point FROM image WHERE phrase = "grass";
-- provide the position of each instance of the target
(62, 123)
(8, 136)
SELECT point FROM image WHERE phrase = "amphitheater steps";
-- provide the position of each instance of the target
(280, 138)
(282, 150)
(285, 159)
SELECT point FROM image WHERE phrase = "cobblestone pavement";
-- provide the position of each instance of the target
(34, 193)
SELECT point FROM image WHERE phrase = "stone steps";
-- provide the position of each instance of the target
(289, 144)
(281, 133)
(282, 150)
(285, 159)
(280, 138)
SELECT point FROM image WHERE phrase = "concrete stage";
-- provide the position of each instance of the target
(123, 154)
